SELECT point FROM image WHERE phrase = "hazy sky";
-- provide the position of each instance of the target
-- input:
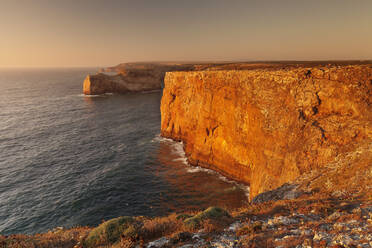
(102, 32)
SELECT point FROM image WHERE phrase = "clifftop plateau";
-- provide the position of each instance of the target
(148, 76)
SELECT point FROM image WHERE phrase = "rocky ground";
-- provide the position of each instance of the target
(305, 222)
(328, 223)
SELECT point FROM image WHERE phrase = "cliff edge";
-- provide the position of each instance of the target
(268, 127)
(148, 76)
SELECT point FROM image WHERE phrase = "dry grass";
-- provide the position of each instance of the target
(126, 231)
(63, 239)
(212, 216)
(160, 226)
(210, 220)
(253, 233)
(109, 232)
(250, 228)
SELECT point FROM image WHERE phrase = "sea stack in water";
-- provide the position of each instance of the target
(101, 83)
(130, 77)
(267, 127)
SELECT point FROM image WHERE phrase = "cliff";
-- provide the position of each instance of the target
(266, 127)
(131, 77)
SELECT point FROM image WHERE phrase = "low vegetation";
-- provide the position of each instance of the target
(126, 231)
(109, 232)
(306, 221)
(54, 238)
(215, 215)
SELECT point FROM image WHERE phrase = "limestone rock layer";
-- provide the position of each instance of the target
(267, 127)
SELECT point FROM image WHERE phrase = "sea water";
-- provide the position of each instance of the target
(67, 159)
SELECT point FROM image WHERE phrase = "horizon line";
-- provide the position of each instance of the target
(184, 61)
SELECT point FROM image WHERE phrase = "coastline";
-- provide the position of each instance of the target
(319, 207)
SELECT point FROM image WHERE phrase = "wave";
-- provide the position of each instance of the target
(83, 95)
(102, 95)
(196, 169)
(159, 138)
(177, 148)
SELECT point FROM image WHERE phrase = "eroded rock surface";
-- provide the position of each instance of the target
(266, 127)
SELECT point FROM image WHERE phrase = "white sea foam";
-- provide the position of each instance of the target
(83, 95)
(102, 95)
(177, 148)
(194, 169)
(183, 160)
(159, 138)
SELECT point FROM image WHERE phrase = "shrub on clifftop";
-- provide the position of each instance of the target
(210, 214)
(108, 232)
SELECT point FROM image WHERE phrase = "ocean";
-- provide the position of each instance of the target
(71, 160)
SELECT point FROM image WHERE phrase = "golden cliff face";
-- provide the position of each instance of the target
(267, 127)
